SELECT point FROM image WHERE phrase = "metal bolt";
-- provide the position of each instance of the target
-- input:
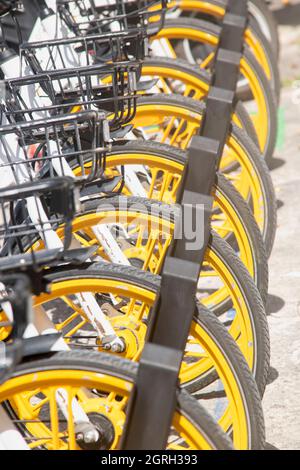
(91, 436)
(116, 348)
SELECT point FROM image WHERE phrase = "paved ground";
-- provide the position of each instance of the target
(282, 398)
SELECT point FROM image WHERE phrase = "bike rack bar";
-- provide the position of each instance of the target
(221, 97)
(152, 405)
(172, 314)
(193, 250)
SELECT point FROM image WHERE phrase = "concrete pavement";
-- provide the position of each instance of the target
(282, 397)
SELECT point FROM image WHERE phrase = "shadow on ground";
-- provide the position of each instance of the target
(273, 375)
(279, 203)
(270, 447)
(274, 304)
(276, 163)
(289, 15)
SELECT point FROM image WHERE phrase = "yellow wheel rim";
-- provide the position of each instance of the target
(191, 86)
(224, 219)
(261, 119)
(176, 125)
(217, 11)
(208, 356)
(20, 391)
(151, 254)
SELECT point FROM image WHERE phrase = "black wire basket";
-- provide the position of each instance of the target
(59, 53)
(53, 147)
(102, 87)
(85, 17)
(29, 214)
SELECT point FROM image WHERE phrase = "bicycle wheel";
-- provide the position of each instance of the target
(101, 385)
(200, 32)
(175, 119)
(259, 13)
(267, 23)
(208, 353)
(254, 37)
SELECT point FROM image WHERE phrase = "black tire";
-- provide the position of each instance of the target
(261, 278)
(270, 201)
(126, 370)
(210, 323)
(255, 309)
(259, 165)
(145, 279)
(270, 105)
(264, 19)
(244, 92)
(274, 80)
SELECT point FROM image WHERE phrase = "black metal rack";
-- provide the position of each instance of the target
(60, 91)
(152, 403)
(46, 144)
(83, 17)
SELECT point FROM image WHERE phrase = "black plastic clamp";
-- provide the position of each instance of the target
(226, 69)
(195, 228)
(238, 7)
(174, 308)
(216, 121)
(200, 170)
(196, 201)
(151, 406)
(232, 33)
